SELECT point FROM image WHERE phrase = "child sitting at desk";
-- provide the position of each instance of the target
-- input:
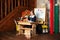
(32, 17)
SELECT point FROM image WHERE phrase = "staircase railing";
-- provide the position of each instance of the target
(9, 10)
(7, 6)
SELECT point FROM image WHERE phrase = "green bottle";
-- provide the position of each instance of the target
(56, 18)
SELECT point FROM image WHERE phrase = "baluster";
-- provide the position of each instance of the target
(24, 3)
(8, 6)
(15, 3)
(11, 4)
(1, 10)
(27, 4)
(18, 2)
(5, 8)
(21, 2)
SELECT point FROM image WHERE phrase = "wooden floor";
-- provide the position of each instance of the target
(12, 36)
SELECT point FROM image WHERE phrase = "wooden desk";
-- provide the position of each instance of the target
(21, 28)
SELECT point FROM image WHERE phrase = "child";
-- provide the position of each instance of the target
(32, 17)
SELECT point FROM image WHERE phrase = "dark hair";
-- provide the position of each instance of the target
(33, 11)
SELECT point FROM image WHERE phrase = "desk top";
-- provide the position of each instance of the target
(27, 23)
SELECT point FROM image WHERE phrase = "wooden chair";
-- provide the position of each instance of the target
(17, 28)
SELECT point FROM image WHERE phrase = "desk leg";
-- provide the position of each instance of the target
(18, 29)
(21, 31)
(34, 29)
(27, 33)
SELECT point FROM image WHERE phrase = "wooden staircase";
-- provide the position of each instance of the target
(11, 9)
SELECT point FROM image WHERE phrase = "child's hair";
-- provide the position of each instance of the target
(32, 11)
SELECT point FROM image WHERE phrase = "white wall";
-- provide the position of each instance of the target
(41, 2)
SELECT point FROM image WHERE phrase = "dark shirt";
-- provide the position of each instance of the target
(32, 18)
